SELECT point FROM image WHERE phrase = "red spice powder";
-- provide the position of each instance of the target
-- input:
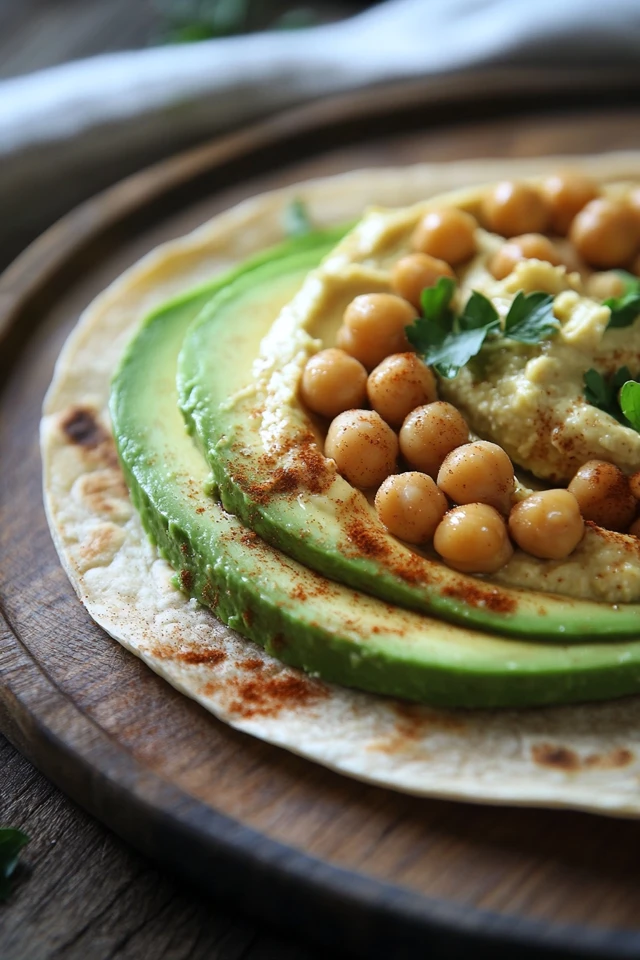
(478, 596)
(268, 696)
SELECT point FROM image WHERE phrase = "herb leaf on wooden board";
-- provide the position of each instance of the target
(11, 843)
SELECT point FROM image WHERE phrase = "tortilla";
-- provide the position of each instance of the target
(585, 757)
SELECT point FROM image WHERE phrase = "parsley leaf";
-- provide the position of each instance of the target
(530, 318)
(11, 843)
(456, 349)
(626, 308)
(479, 312)
(630, 403)
(436, 303)
(605, 393)
(296, 220)
(445, 341)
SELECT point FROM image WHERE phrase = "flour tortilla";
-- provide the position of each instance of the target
(585, 757)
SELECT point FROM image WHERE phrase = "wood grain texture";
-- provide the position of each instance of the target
(142, 757)
(81, 892)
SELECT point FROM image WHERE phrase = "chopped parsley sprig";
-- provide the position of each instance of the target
(11, 843)
(625, 309)
(617, 394)
(630, 403)
(447, 340)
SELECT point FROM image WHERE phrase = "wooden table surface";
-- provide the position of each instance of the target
(80, 892)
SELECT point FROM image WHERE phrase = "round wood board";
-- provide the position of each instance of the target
(339, 860)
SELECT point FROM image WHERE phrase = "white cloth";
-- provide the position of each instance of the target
(67, 130)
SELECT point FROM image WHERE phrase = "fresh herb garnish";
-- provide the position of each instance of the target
(606, 393)
(447, 341)
(296, 220)
(530, 318)
(626, 308)
(11, 843)
(630, 403)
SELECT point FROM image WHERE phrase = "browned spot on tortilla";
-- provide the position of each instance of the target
(186, 580)
(556, 756)
(562, 758)
(82, 427)
(268, 695)
(616, 758)
(414, 719)
(414, 722)
(103, 491)
(101, 543)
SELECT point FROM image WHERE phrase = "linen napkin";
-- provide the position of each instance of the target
(70, 130)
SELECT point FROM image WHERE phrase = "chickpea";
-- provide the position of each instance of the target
(411, 274)
(604, 495)
(633, 201)
(605, 233)
(374, 326)
(398, 385)
(566, 194)
(410, 506)
(431, 432)
(530, 246)
(449, 234)
(605, 285)
(479, 472)
(473, 539)
(364, 448)
(547, 524)
(332, 381)
(512, 208)
(634, 484)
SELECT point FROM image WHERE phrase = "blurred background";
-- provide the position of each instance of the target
(39, 34)
(92, 90)
(43, 33)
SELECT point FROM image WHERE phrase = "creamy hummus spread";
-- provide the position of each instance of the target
(528, 399)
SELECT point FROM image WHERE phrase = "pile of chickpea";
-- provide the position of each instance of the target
(373, 363)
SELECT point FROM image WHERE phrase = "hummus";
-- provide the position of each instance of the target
(528, 399)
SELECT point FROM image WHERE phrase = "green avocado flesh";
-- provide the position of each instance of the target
(300, 617)
(333, 530)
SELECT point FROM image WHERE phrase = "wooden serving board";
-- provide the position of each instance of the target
(340, 861)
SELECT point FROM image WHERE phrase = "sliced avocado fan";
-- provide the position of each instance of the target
(297, 615)
(304, 508)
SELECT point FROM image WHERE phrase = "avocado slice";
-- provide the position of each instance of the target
(302, 507)
(297, 615)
